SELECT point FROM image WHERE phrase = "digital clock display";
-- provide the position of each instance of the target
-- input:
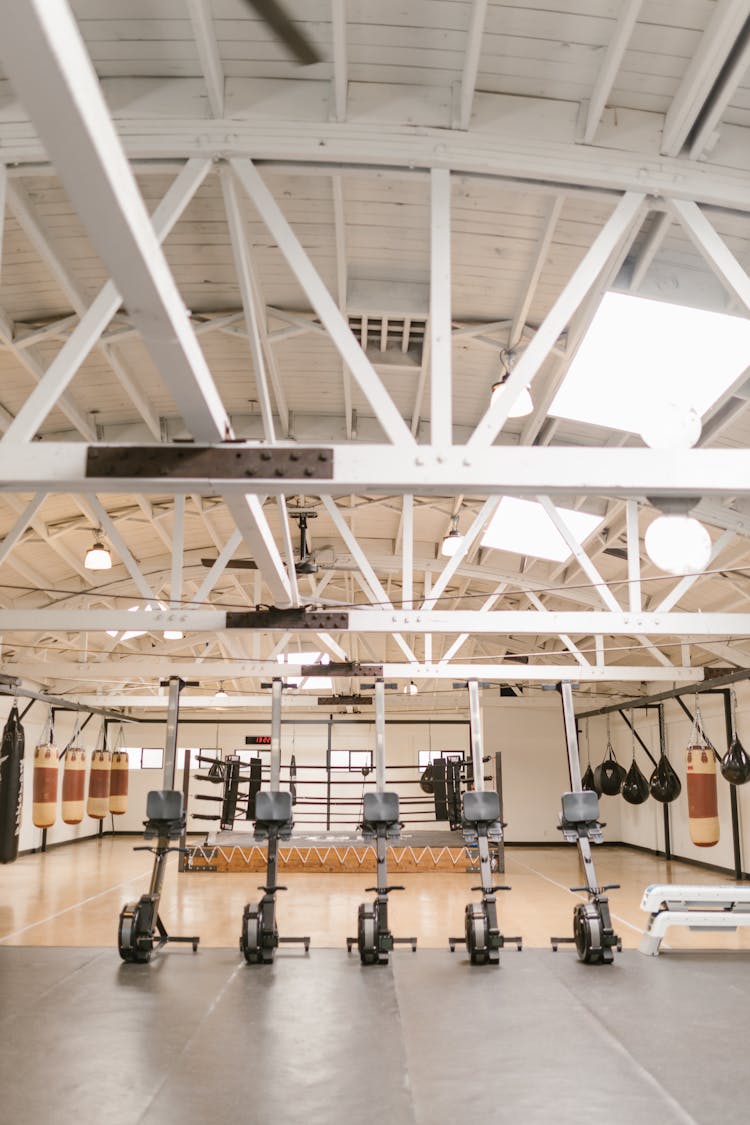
(257, 740)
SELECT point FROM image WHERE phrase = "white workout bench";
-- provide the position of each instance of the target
(712, 907)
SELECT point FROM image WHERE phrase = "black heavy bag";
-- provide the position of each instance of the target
(609, 776)
(635, 787)
(293, 779)
(735, 765)
(11, 787)
(664, 784)
(587, 781)
(426, 781)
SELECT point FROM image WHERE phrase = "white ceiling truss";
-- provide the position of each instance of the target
(233, 291)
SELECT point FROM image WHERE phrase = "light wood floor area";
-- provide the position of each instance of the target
(73, 895)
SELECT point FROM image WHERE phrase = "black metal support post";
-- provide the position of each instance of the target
(727, 695)
(665, 806)
(328, 774)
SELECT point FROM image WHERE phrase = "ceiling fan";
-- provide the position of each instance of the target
(285, 29)
(306, 562)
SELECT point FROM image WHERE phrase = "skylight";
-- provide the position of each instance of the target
(307, 683)
(524, 528)
(639, 353)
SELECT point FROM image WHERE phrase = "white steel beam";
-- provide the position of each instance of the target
(13, 536)
(441, 342)
(605, 79)
(371, 583)
(471, 62)
(580, 555)
(566, 304)
(244, 270)
(720, 36)
(96, 318)
(217, 569)
(339, 223)
(286, 539)
(340, 63)
(306, 699)
(652, 243)
(47, 62)
(204, 34)
(377, 469)
(54, 542)
(704, 135)
(540, 257)
(387, 620)
(407, 547)
(27, 358)
(3, 192)
(566, 640)
(461, 640)
(248, 514)
(320, 299)
(713, 248)
(634, 556)
(178, 546)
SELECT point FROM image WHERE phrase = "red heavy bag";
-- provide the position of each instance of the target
(74, 785)
(11, 787)
(703, 805)
(44, 808)
(118, 783)
(98, 802)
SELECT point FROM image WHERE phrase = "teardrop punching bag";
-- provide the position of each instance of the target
(74, 785)
(703, 806)
(735, 765)
(44, 808)
(11, 787)
(98, 803)
(635, 787)
(118, 783)
(664, 784)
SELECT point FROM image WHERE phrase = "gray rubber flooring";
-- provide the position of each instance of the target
(201, 1039)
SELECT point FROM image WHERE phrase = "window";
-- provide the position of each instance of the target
(524, 528)
(639, 354)
(351, 759)
(144, 758)
(428, 756)
(152, 758)
(245, 755)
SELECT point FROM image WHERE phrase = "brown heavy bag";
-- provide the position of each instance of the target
(703, 804)
(74, 785)
(44, 807)
(118, 787)
(98, 803)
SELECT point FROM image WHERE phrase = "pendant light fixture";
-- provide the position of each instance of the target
(97, 556)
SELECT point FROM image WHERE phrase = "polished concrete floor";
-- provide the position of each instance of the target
(72, 896)
(203, 1039)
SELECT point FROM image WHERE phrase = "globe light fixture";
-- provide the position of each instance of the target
(452, 540)
(678, 544)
